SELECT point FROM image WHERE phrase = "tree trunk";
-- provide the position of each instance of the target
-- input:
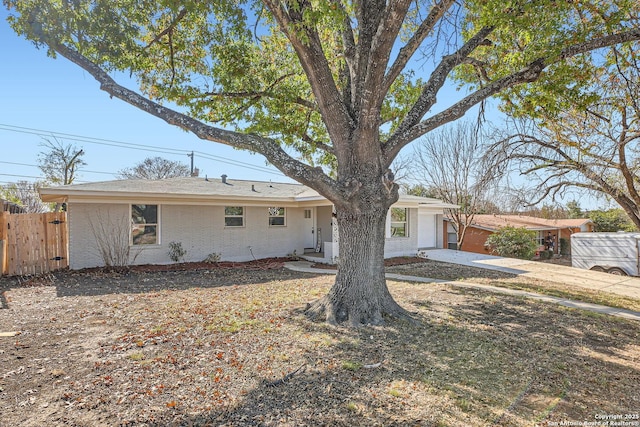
(631, 209)
(359, 295)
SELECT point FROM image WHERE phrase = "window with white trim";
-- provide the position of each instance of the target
(277, 217)
(234, 216)
(399, 222)
(144, 225)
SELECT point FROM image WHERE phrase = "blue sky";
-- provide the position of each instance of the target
(45, 97)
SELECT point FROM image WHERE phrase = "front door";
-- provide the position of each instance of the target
(426, 230)
(309, 227)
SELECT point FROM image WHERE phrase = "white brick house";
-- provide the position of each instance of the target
(235, 219)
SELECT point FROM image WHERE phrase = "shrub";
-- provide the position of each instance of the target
(514, 242)
(112, 240)
(212, 258)
(176, 251)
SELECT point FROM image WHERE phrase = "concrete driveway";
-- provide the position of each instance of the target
(620, 285)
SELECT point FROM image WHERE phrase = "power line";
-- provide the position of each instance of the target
(36, 166)
(90, 139)
(21, 176)
(18, 164)
(134, 146)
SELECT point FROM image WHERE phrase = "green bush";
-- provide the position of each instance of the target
(564, 246)
(513, 242)
(611, 220)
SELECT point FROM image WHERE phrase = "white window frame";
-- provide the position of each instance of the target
(134, 225)
(275, 213)
(405, 222)
(242, 216)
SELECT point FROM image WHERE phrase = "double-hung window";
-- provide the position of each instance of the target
(277, 217)
(144, 225)
(399, 222)
(234, 216)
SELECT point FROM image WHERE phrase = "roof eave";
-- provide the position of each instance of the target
(51, 195)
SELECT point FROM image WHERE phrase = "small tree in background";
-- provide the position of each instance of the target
(155, 168)
(611, 220)
(574, 210)
(25, 194)
(588, 143)
(454, 165)
(513, 242)
(59, 162)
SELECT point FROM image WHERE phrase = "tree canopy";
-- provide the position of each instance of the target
(299, 72)
(593, 143)
(59, 162)
(155, 168)
(329, 91)
(611, 220)
(25, 194)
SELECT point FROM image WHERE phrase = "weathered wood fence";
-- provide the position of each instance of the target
(33, 243)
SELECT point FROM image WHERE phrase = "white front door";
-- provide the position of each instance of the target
(426, 230)
(309, 228)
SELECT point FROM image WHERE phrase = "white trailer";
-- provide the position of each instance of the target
(615, 253)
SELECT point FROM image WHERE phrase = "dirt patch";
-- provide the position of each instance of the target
(227, 346)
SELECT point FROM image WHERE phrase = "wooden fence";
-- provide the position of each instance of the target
(33, 243)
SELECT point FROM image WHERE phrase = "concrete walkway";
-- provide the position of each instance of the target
(305, 266)
(594, 280)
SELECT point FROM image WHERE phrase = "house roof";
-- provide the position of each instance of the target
(494, 222)
(198, 190)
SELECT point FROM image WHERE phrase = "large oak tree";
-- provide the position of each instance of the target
(328, 91)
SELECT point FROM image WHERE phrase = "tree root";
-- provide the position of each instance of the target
(323, 309)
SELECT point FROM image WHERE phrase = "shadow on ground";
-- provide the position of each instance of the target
(487, 360)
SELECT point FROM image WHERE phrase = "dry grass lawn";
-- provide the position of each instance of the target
(228, 347)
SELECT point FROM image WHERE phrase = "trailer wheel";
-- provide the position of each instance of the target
(617, 271)
(597, 268)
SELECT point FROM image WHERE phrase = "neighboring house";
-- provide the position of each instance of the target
(236, 220)
(7, 206)
(484, 225)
